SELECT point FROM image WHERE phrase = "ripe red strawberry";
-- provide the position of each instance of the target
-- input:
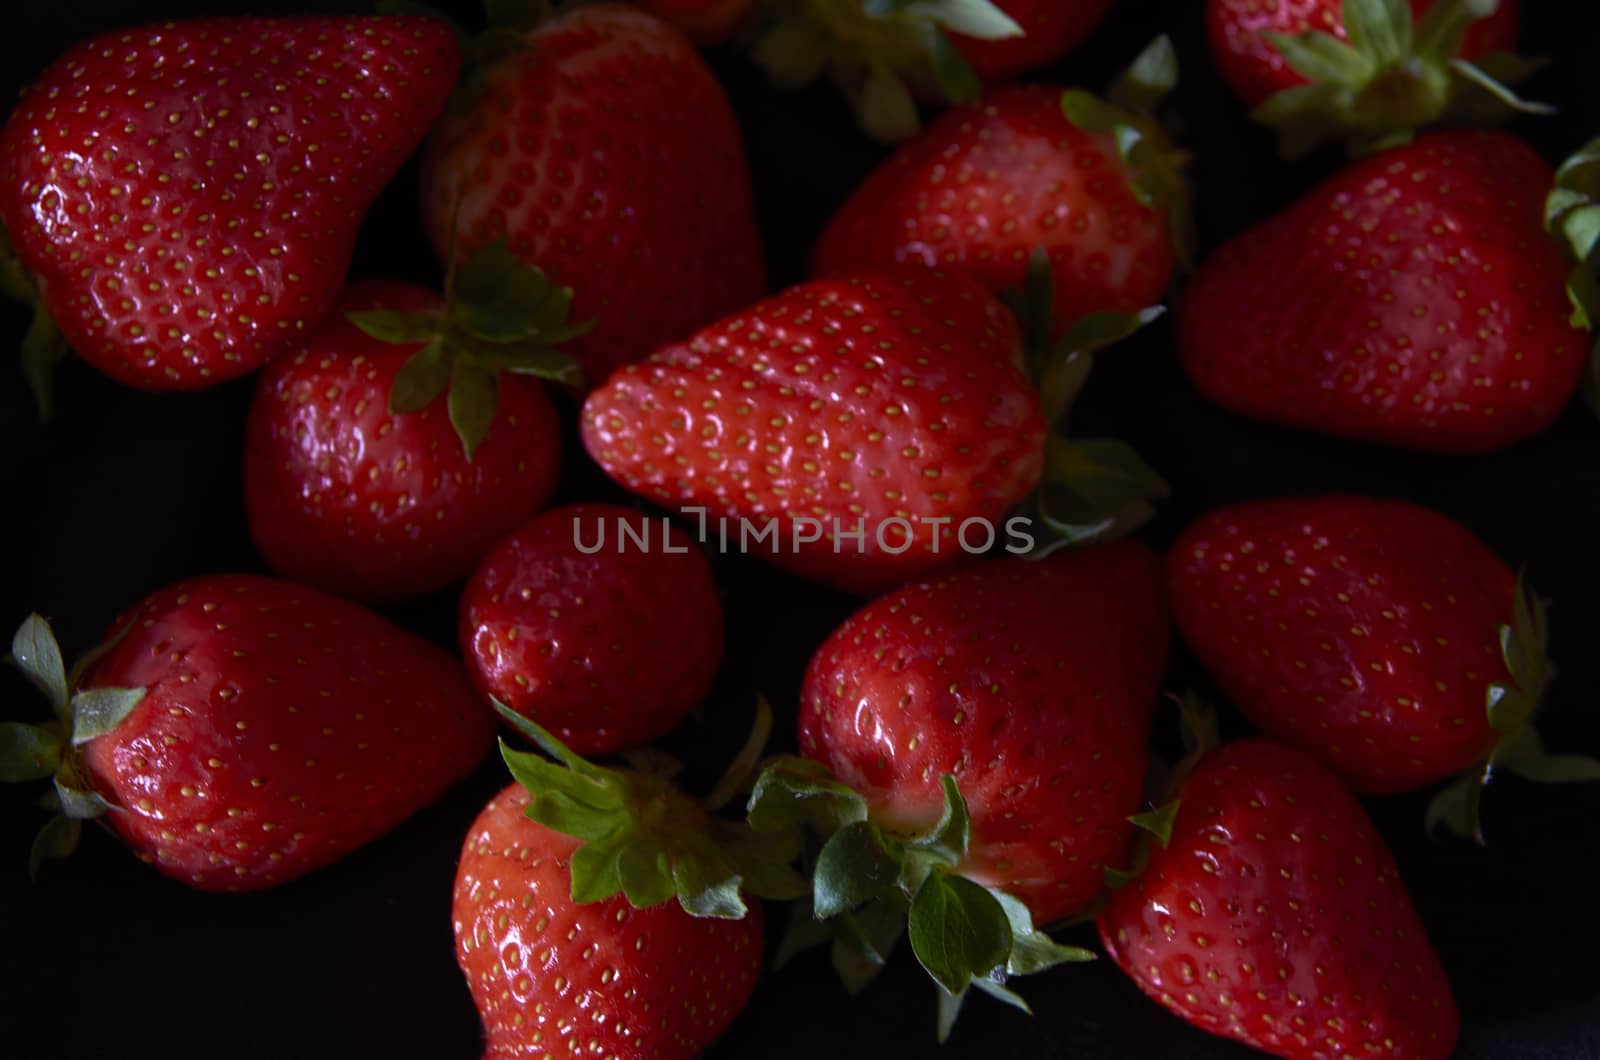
(973, 748)
(886, 56)
(1274, 915)
(987, 184)
(608, 979)
(187, 195)
(1412, 299)
(346, 493)
(1380, 637)
(1256, 70)
(237, 732)
(868, 429)
(849, 401)
(1321, 69)
(604, 151)
(1032, 683)
(703, 21)
(598, 623)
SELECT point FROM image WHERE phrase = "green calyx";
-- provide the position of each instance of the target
(645, 839)
(1393, 77)
(1572, 214)
(870, 887)
(1197, 721)
(880, 52)
(1127, 113)
(1094, 489)
(47, 751)
(43, 347)
(500, 315)
(1511, 707)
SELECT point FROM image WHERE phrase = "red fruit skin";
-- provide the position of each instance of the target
(1413, 299)
(281, 728)
(550, 976)
(345, 496)
(1033, 682)
(606, 154)
(855, 400)
(1276, 917)
(188, 194)
(1256, 71)
(705, 22)
(1051, 29)
(1363, 632)
(607, 650)
(985, 185)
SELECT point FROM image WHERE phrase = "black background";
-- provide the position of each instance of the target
(127, 491)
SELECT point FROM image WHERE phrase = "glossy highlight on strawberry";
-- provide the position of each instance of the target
(187, 195)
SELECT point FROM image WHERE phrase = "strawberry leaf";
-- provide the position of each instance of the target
(793, 793)
(474, 397)
(1149, 80)
(1032, 950)
(35, 652)
(595, 869)
(947, 842)
(1096, 490)
(395, 327)
(57, 839)
(98, 711)
(741, 772)
(957, 79)
(703, 891)
(420, 381)
(28, 752)
(958, 931)
(864, 939)
(856, 865)
(802, 932)
(886, 107)
(646, 874)
(43, 347)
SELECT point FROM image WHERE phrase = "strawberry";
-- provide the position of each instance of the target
(550, 974)
(1321, 69)
(703, 21)
(1273, 914)
(236, 732)
(186, 196)
(597, 622)
(1380, 637)
(1025, 168)
(981, 740)
(1411, 299)
(601, 148)
(355, 480)
(1028, 681)
(1050, 29)
(884, 56)
(862, 430)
